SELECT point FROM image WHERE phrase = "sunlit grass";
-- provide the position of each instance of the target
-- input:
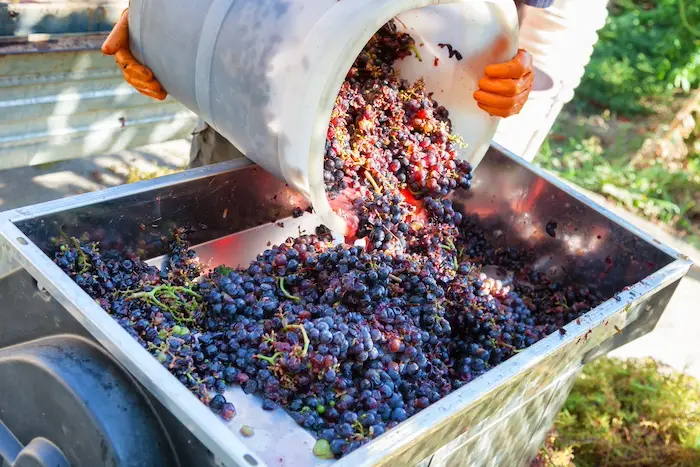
(627, 413)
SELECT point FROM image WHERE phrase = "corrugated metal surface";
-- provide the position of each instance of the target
(24, 17)
(60, 98)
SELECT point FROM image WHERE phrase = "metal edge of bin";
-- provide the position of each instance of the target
(195, 416)
(606, 320)
(588, 202)
(50, 207)
(202, 422)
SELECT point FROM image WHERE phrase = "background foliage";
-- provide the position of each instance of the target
(627, 413)
(648, 50)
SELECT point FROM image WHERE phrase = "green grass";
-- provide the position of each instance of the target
(627, 413)
(648, 51)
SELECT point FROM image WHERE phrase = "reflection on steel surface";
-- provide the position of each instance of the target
(236, 209)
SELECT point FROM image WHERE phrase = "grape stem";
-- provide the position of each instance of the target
(507, 346)
(448, 245)
(270, 338)
(305, 336)
(358, 426)
(165, 290)
(391, 233)
(270, 360)
(83, 262)
(371, 179)
(285, 292)
(170, 292)
(395, 278)
(415, 51)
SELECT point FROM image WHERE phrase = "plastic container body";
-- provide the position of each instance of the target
(265, 73)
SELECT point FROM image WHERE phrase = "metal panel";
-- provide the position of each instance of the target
(522, 428)
(60, 98)
(239, 205)
(24, 17)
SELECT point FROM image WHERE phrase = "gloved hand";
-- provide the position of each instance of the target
(506, 86)
(137, 75)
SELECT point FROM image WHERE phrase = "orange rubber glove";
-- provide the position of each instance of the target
(506, 86)
(137, 75)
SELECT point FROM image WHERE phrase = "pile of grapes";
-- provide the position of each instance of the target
(350, 340)
(389, 145)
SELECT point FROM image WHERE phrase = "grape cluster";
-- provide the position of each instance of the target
(349, 340)
(389, 142)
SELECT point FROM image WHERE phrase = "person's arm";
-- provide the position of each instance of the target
(139, 76)
(520, 5)
(506, 86)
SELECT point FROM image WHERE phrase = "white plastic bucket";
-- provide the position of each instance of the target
(265, 73)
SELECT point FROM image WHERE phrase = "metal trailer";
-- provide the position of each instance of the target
(70, 374)
(60, 98)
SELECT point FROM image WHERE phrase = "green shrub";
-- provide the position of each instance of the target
(647, 51)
